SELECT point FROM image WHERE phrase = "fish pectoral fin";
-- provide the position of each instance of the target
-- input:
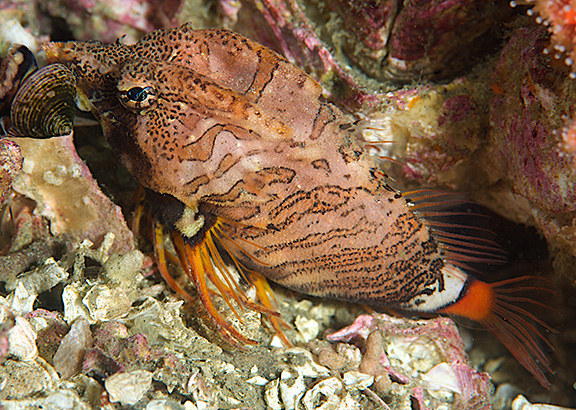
(207, 248)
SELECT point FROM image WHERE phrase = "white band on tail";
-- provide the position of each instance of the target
(454, 281)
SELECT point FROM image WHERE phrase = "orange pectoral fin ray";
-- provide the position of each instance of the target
(204, 264)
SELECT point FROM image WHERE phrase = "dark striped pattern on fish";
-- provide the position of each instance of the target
(241, 156)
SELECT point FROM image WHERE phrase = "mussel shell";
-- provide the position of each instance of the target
(44, 105)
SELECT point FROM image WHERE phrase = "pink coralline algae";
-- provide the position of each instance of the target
(346, 45)
(427, 33)
(116, 349)
(530, 147)
(50, 336)
(457, 109)
(112, 19)
(435, 129)
(527, 124)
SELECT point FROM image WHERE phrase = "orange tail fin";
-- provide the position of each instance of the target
(496, 307)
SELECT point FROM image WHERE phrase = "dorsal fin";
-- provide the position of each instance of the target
(459, 225)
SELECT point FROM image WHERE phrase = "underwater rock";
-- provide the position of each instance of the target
(112, 19)
(435, 132)
(527, 150)
(505, 134)
(354, 48)
(406, 40)
(61, 185)
(411, 353)
(527, 124)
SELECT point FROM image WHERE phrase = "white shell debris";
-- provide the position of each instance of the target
(326, 392)
(85, 250)
(304, 363)
(292, 388)
(163, 322)
(105, 303)
(202, 392)
(418, 355)
(521, 403)
(357, 380)
(11, 31)
(124, 270)
(22, 340)
(30, 285)
(257, 381)
(73, 306)
(128, 388)
(308, 328)
(441, 377)
(24, 379)
(69, 356)
(168, 404)
(99, 302)
(58, 400)
(272, 395)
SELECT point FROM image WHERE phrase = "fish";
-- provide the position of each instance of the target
(246, 167)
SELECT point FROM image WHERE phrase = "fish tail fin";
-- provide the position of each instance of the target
(499, 308)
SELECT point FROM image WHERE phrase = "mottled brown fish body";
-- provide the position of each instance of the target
(318, 250)
(242, 132)
(238, 131)
(240, 154)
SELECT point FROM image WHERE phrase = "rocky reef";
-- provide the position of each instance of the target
(463, 95)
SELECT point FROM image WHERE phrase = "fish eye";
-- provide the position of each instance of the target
(137, 94)
(138, 98)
